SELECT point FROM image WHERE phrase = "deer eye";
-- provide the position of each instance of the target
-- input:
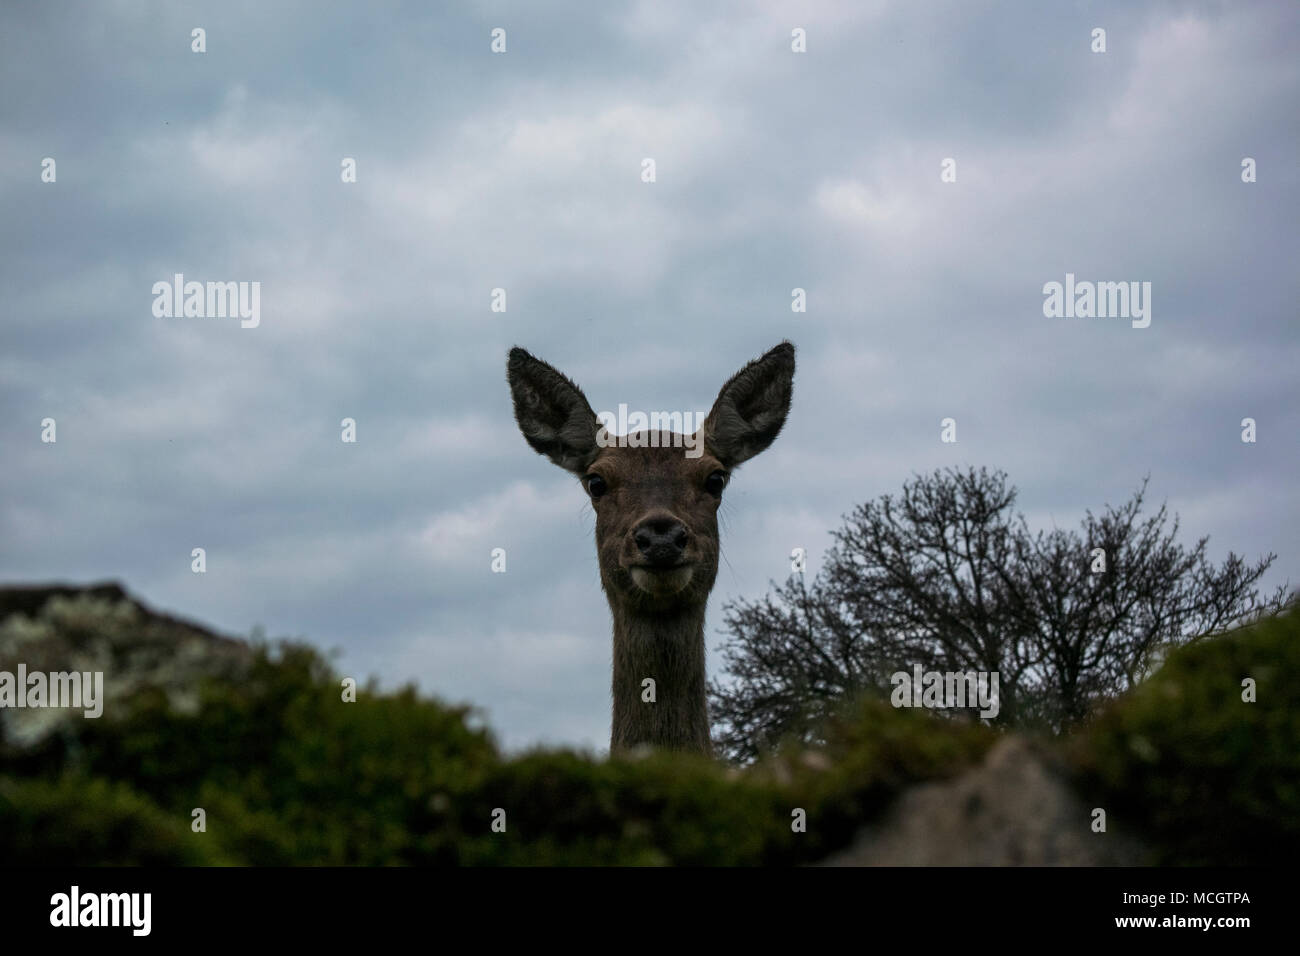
(716, 482)
(595, 485)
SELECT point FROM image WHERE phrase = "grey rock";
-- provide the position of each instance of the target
(1016, 809)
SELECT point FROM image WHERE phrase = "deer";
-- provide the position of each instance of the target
(656, 495)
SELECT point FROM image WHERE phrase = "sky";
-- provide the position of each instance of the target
(920, 170)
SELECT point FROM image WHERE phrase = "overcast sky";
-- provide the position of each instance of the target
(522, 170)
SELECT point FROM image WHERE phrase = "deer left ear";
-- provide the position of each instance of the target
(751, 408)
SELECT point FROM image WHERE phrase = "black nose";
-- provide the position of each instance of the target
(661, 540)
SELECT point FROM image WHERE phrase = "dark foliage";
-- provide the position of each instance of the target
(948, 577)
(289, 773)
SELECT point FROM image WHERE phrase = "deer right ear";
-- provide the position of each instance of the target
(552, 412)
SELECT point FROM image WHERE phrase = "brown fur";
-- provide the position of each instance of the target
(658, 609)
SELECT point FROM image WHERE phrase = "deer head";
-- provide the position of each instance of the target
(656, 497)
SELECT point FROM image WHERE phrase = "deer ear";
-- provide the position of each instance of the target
(751, 408)
(552, 412)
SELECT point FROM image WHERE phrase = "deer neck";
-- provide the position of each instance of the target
(669, 649)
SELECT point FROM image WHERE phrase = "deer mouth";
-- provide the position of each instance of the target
(662, 580)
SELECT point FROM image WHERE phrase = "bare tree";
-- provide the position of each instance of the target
(947, 577)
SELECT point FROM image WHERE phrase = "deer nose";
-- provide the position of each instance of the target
(661, 540)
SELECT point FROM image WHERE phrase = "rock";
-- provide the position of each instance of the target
(100, 629)
(30, 600)
(1016, 809)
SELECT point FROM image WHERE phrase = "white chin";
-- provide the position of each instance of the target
(662, 582)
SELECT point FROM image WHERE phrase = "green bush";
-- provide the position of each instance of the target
(1205, 776)
(88, 821)
(290, 774)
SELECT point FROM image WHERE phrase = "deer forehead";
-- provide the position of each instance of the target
(647, 468)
